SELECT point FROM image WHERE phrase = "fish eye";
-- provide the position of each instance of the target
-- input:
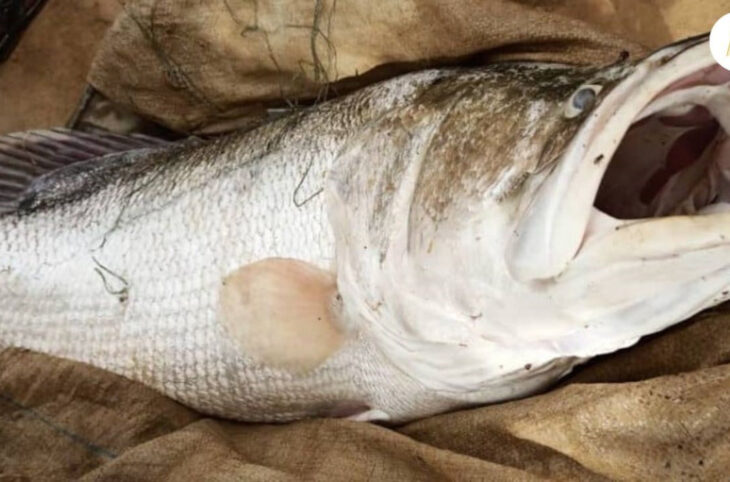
(582, 100)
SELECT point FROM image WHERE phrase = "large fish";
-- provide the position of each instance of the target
(442, 239)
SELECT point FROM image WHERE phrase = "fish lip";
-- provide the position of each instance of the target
(551, 231)
(673, 49)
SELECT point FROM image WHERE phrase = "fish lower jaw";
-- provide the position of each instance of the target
(632, 278)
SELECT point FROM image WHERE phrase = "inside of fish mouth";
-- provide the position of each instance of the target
(674, 159)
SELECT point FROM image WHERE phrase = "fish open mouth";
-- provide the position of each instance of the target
(675, 157)
(655, 147)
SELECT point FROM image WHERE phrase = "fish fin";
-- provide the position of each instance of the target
(25, 156)
(283, 312)
(373, 415)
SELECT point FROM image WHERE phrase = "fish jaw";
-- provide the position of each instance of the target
(553, 226)
(642, 277)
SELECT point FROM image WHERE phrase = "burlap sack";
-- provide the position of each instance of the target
(209, 66)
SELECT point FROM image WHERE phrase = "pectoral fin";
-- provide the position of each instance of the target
(282, 312)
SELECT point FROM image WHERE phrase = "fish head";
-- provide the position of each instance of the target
(514, 220)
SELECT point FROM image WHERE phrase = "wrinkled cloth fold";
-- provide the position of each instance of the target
(212, 66)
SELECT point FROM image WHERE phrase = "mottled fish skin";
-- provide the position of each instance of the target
(119, 262)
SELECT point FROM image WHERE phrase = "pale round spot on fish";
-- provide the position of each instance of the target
(282, 312)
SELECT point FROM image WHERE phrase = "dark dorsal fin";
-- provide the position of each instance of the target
(24, 156)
